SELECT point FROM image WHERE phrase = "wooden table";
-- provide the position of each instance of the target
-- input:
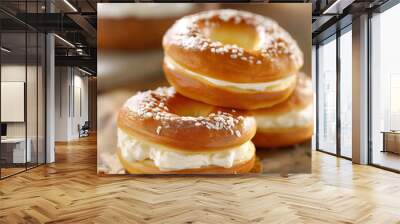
(391, 141)
(13, 150)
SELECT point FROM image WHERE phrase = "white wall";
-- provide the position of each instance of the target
(80, 110)
(62, 81)
(71, 94)
(33, 127)
(12, 73)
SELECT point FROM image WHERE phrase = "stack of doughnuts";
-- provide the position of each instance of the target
(232, 72)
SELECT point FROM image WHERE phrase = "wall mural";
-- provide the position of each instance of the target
(204, 88)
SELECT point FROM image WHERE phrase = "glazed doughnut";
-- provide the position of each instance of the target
(121, 26)
(161, 131)
(231, 58)
(288, 123)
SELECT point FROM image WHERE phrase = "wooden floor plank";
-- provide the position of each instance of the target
(70, 191)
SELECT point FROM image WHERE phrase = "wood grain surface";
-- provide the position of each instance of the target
(70, 191)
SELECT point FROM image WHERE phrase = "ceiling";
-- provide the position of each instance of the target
(72, 20)
(332, 15)
(76, 21)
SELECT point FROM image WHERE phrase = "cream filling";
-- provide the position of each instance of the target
(142, 10)
(296, 118)
(276, 85)
(166, 159)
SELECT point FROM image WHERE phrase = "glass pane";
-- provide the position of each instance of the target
(31, 87)
(41, 98)
(23, 90)
(346, 94)
(13, 89)
(327, 97)
(31, 98)
(386, 89)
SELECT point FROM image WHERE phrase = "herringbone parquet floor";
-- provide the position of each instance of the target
(70, 191)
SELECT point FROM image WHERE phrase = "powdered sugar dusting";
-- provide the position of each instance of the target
(273, 42)
(151, 104)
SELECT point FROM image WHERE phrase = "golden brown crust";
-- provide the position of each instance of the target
(269, 59)
(282, 137)
(148, 167)
(195, 89)
(224, 68)
(206, 134)
(301, 97)
(131, 34)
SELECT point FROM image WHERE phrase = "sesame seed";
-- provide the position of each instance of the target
(237, 133)
(158, 130)
(220, 50)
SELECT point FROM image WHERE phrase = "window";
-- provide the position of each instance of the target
(346, 93)
(22, 78)
(385, 89)
(327, 96)
(394, 111)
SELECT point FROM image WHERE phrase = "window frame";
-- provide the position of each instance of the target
(334, 37)
(371, 13)
(27, 29)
